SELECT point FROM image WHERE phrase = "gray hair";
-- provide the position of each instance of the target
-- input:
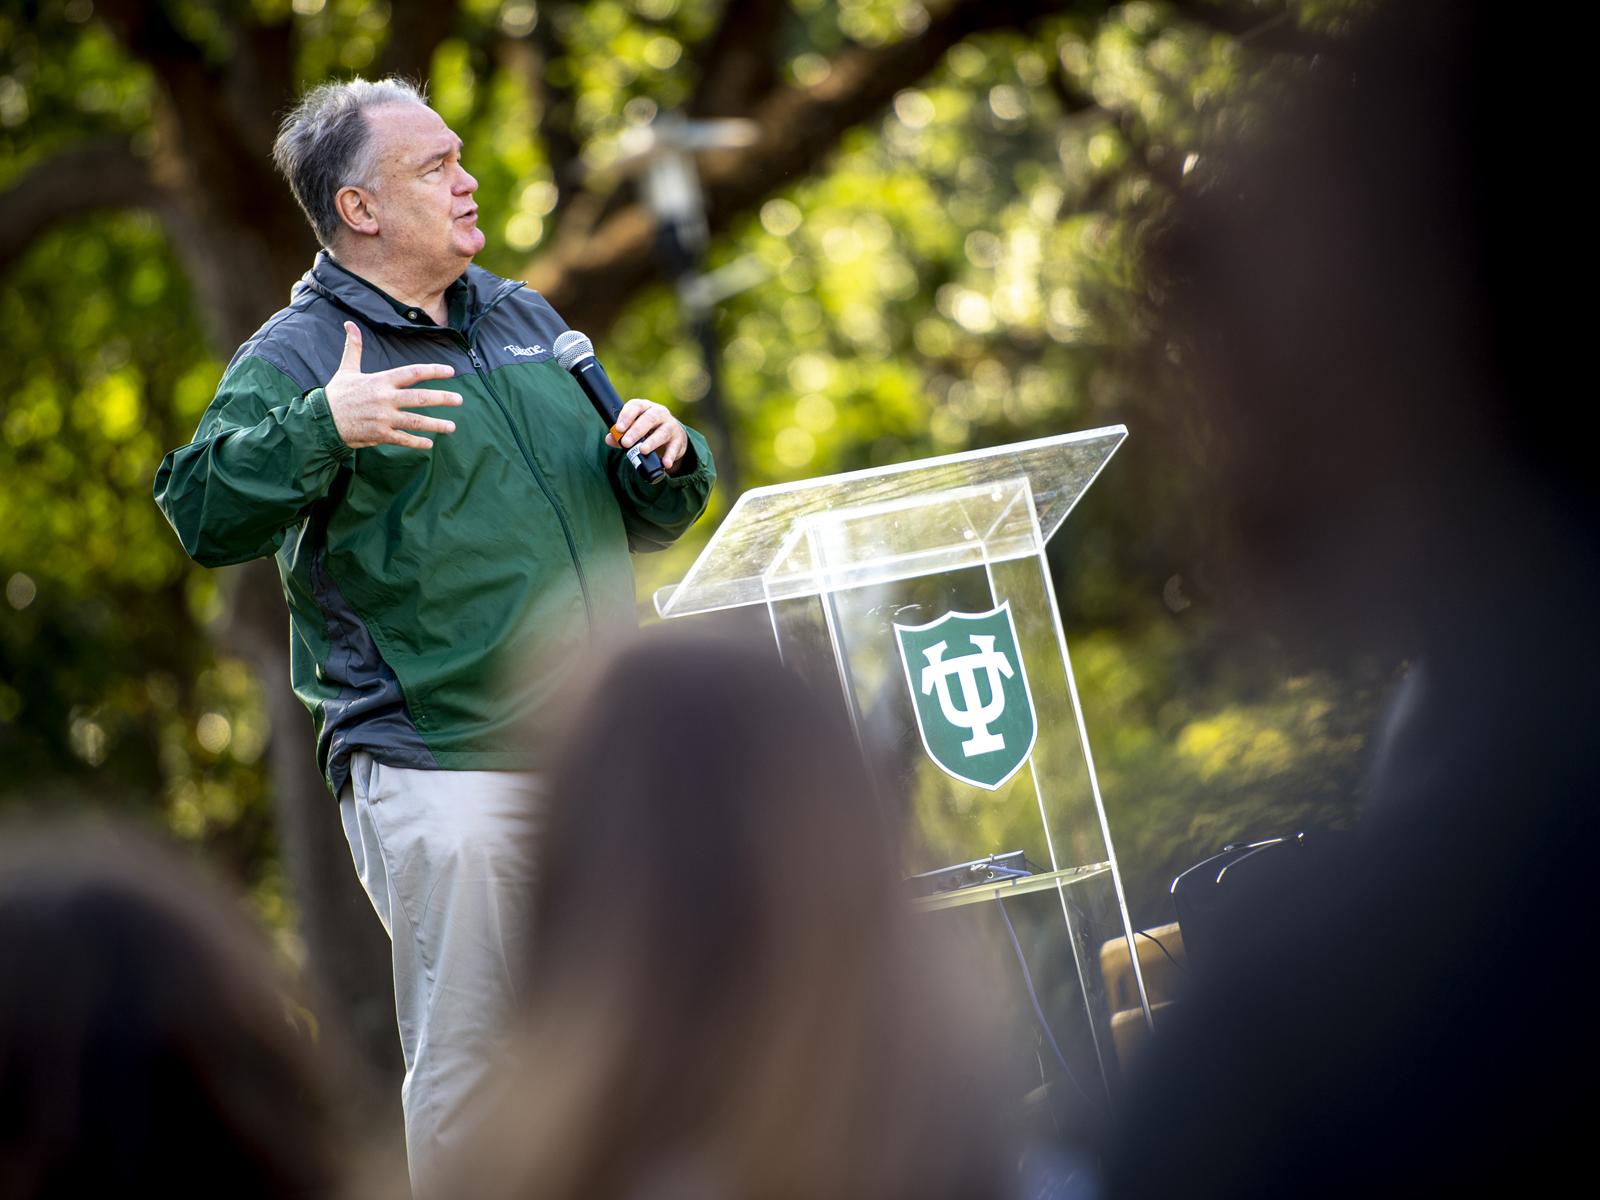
(325, 144)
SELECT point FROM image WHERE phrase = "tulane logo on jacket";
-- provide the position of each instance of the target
(970, 692)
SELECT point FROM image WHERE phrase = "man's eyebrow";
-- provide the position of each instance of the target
(439, 155)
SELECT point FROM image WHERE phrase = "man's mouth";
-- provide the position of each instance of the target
(471, 212)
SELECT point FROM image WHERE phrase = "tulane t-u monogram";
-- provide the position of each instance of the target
(971, 715)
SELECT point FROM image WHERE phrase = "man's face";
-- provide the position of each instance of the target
(421, 194)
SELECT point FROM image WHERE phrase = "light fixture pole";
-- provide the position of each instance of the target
(662, 154)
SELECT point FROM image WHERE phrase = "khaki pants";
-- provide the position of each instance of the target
(448, 859)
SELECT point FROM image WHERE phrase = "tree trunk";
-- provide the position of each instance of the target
(243, 243)
(242, 275)
(346, 950)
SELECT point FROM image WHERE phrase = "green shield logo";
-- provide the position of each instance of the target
(970, 693)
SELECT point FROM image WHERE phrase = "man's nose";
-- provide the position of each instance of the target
(466, 184)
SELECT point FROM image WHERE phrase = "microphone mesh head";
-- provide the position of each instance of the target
(571, 348)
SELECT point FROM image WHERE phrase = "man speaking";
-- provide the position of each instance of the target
(440, 591)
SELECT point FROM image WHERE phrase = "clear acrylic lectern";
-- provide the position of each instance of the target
(921, 592)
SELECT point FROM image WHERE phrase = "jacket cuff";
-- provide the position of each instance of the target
(700, 454)
(327, 432)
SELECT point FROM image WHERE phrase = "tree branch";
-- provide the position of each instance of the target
(95, 175)
(416, 27)
(262, 82)
(738, 62)
(557, 104)
(1275, 31)
(147, 31)
(587, 278)
(232, 221)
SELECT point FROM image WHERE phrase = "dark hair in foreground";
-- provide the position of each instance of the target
(1357, 284)
(730, 997)
(146, 1041)
(1360, 290)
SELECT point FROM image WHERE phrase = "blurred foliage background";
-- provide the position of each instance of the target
(954, 262)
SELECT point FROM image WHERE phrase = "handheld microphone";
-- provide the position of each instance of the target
(575, 352)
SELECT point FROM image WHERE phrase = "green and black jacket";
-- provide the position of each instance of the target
(438, 599)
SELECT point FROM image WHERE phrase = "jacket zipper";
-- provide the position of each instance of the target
(527, 453)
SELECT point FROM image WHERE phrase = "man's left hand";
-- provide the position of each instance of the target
(649, 426)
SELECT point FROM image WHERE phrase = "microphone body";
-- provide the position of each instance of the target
(575, 352)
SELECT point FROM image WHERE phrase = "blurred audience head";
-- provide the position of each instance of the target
(147, 1040)
(1358, 287)
(730, 997)
(1352, 287)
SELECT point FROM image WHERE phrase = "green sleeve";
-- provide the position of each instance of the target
(265, 451)
(656, 514)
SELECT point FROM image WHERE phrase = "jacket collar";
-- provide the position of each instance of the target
(327, 278)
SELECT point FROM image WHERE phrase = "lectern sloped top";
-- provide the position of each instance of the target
(925, 515)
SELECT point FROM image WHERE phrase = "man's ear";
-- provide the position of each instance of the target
(356, 210)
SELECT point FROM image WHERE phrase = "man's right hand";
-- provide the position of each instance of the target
(369, 410)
